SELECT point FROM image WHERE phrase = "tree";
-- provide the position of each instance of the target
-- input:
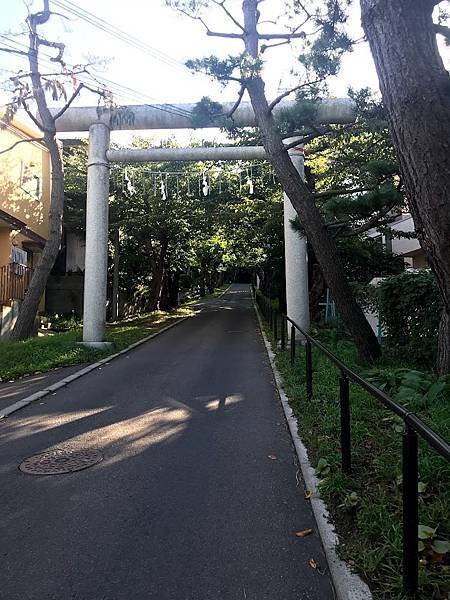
(245, 69)
(357, 186)
(416, 92)
(34, 85)
(237, 224)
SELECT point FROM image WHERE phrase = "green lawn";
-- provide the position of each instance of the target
(366, 507)
(43, 353)
(40, 354)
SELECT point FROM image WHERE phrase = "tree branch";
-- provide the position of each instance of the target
(371, 223)
(75, 94)
(58, 45)
(78, 89)
(237, 103)
(21, 142)
(302, 140)
(342, 192)
(265, 47)
(55, 74)
(443, 30)
(221, 3)
(238, 36)
(32, 117)
(375, 220)
(261, 36)
(281, 97)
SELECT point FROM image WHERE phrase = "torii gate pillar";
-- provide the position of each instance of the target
(96, 260)
(296, 256)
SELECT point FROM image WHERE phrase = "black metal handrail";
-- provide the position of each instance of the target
(414, 427)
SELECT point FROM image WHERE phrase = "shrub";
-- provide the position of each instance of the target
(410, 311)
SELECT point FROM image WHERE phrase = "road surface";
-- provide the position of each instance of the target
(186, 504)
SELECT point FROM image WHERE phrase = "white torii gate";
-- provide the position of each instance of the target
(99, 122)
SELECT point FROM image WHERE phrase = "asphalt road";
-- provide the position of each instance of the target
(187, 504)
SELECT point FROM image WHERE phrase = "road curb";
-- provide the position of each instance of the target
(348, 585)
(84, 371)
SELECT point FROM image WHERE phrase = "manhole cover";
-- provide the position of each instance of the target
(60, 461)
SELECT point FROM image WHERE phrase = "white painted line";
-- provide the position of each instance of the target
(348, 585)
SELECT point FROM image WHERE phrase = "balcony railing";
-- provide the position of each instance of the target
(14, 282)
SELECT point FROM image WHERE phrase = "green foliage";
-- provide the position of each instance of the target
(217, 68)
(207, 112)
(366, 258)
(303, 112)
(40, 354)
(196, 237)
(410, 309)
(415, 389)
(366, 507)
(322, 467)
(75, 184)
(323, 54)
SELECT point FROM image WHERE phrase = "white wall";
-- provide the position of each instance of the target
(75, 252)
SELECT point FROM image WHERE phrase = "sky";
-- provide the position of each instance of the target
(156, 73)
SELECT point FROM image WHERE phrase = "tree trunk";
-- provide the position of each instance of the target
(316, 293)
(28, 310)
(174, 289)
(203, 273)
(416, 92)
(164, 303)
(157, 280)
(115, 283)
(443, 359)
(303, 202)
(29, 307)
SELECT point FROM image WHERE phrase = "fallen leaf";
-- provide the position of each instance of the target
(272, 456)
(303, 533)
(312, 563)
(308, 494)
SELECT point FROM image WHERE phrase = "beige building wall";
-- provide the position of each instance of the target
(25, 179)
(25, 182)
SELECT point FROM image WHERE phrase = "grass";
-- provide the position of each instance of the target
(366, 507)
(40, 354)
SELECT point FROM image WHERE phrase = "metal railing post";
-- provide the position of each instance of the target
(344, 400)
(283, 332)
(309, 375)
(292, 344)
(410, 513)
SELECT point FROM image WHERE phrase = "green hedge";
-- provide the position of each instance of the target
(410, 310)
